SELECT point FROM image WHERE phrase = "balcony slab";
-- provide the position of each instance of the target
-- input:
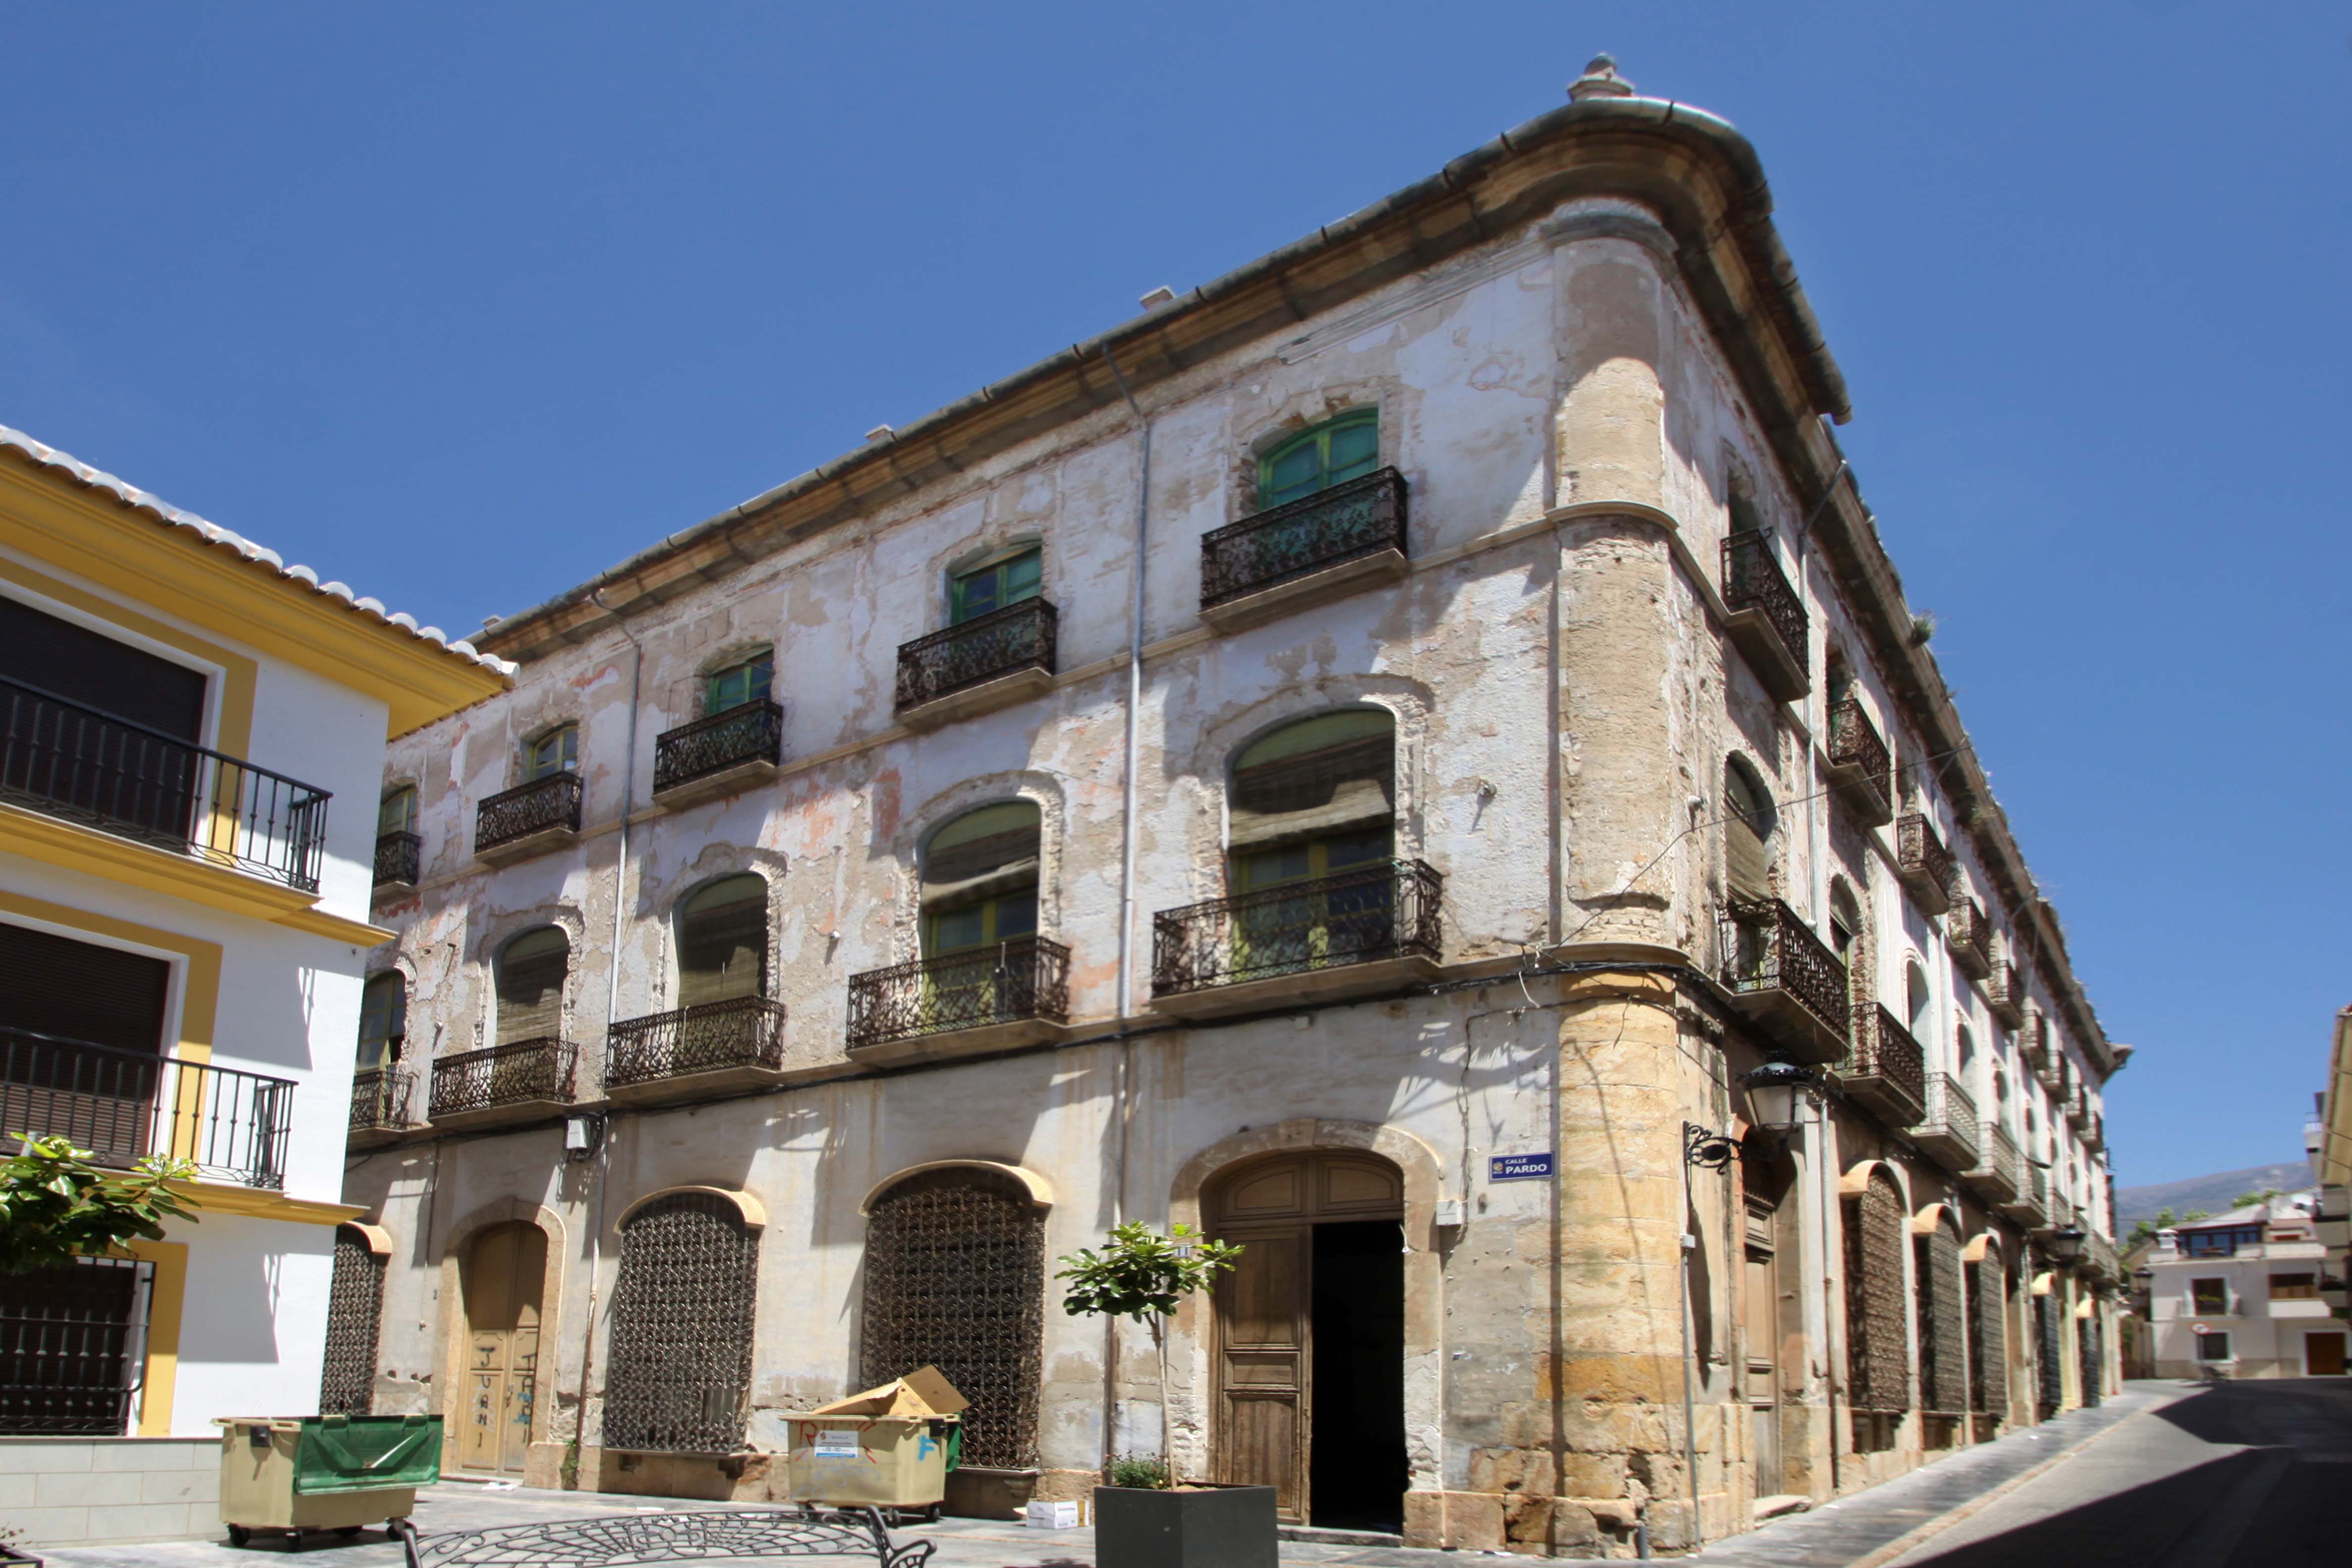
(949, 1043)
(1304, 593)
(1794, 1026)
(1885, 1096)
(981, 697)
(695, 1085)
(378, 1137)
(1782, 672)
(1949, 1147)
(1990, 1185)
(504, 1115)
(1337, 983)
(529, 844)
(727, 780)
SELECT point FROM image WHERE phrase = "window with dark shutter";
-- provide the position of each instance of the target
(980, 878)
(80, 991)
(1747, 832)
(723, 942)
(531, 987)
(96, 671)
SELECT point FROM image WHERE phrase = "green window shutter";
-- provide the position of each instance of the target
(397, 813)
(1005, 579)
(383, 1020)
(722, 942)
(748, 681)
(1344, 449)
(557, 751)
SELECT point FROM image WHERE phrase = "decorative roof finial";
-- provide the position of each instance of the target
(1599, 80)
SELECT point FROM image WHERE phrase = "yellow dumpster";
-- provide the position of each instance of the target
(889, 1447)
(292, 1473)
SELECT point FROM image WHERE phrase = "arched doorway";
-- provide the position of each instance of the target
(504, 1278)
(1310, 1337)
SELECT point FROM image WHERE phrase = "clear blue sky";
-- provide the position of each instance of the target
(461, 304)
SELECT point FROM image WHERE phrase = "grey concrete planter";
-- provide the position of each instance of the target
(1215, 1527)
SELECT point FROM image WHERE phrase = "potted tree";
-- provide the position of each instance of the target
(1143, 1517)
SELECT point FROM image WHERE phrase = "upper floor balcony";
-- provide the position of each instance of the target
(1949, 1133)
(520, 1081)
(1782, 976)
(1886, 1070)
(1305, 551)
(1859, 766)
(398, 858)
(2005, 993)
(991, 661)
(2033, 1044)
(1767, 619)
(710, 1047)
(2060, 1209)
(87, 767)
(1925, 867)
(529, 820)
(1999, 1174)
(2030, 1205)
(124, 1105)
(384, 1105)
(719, 754)
(1354, 933)
(1966, 933)
(1008, 994)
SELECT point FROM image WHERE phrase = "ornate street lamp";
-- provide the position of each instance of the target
(1776, 1100)
(2066, 1247)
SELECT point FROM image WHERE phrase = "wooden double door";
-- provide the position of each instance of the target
(1310, 1337)
(505, 1273)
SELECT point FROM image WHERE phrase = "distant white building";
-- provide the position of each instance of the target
(2240, 1294)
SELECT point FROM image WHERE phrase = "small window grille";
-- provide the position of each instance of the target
(73, 1347)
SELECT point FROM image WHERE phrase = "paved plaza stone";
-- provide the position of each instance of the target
(1858, 1532)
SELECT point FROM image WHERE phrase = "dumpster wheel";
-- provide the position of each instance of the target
(238, 1535)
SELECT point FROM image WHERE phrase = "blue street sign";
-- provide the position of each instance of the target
(1518, 1167)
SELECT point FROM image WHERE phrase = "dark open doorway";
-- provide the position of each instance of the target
(1356, 1472)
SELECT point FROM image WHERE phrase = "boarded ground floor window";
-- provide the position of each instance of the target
(73, 1347)
(1877, 1359)
(1988, 1338)
(2050, 1372)
(354, 1316)
(1943, 1367)
(955, 1278)
(681, 1356)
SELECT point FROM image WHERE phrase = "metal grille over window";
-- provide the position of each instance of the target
(2049, 1390)
(681, 1357)
(72, 1347)
(1943, 1327)
(2094, 1348)
(354, 1315)
(1877, 1377)
(1988, 1339)
(955, 1278)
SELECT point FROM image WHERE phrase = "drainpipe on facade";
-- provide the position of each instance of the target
(1829, 1315)
(1126, 992)
(612, 1007)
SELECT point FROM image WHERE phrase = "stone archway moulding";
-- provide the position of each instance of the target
(378, 1239)
(754, 1213)
(1926, 1221)
(1191, 1379)
(1041, 1190)
(1856, 1180)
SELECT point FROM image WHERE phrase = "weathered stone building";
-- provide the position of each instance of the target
(1366, 757)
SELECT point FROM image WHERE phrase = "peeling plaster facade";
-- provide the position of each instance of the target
(1572, 397)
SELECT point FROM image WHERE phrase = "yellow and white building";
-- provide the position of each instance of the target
(191, 744)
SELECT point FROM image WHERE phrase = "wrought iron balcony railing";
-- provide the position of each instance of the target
(398, 856)
(1012, 981)
(1886, 1067)
(124, 1105)
(2005, 993)
(746, 1032)
(540, 806)
(2061, 1210)
(1753, 582)
(1925, 866)
(82, 765)
(1967, 936)
(526, 1071)
(1359, 518)
(1020, 635)
(2035, 1041)
(1384, 910)
(747, 732)
(1860, 767)
(1950, 1126)
(2000, 1170)
(1796, 983)
(383, 1099)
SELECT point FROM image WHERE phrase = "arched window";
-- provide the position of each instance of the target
(531, 974)
(1942, 1322)
(680, 1366)
(955, 1278)
(1846, 920)
(1988, 1333)
(1331, 452)
(383, 1020)
(980, 878)
(1748, 825)
(1877, 1357)
(1968, 1049)
(355, 1318)
(742, 680)
(1919, 1002)
(1315, 798)
(723, 942)
(556, 751)
(1007, 577)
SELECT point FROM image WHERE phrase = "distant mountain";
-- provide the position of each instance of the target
(2213, 1194)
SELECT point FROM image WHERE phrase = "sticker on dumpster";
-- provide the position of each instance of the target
(836, 1445)
(1518, 1167)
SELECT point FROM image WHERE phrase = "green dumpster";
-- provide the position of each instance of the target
(287, 1474)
